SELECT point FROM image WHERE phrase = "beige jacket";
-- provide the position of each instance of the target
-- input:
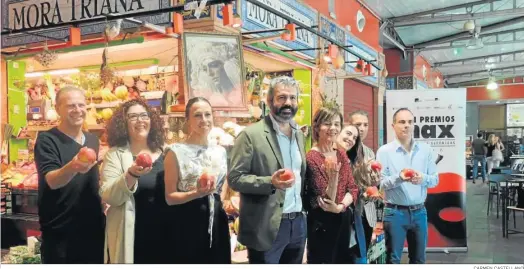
(120, 225)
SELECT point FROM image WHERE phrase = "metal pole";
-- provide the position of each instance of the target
(110, 17)
(300, 24)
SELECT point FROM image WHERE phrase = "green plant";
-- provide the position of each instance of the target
(255, 78)
(329, 102)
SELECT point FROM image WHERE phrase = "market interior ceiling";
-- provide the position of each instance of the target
(469, 41)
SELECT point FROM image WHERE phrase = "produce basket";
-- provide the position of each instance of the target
(22, 255)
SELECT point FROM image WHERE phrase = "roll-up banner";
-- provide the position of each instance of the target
(440, 121)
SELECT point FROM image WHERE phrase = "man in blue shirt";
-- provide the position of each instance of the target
(405, 215)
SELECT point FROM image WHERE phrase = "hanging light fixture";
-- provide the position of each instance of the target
(332, 52)
(359, 68)
(475, 42)
(367, 70)
(290, 34)
(492, 84)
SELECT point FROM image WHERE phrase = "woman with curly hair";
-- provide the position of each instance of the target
(365, 210)
(195, 172)
(134, 231)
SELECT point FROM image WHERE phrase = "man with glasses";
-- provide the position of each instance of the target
(69, 206)
(268, 168)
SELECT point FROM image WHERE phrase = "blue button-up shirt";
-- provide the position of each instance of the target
(290, 151)
(394, 158)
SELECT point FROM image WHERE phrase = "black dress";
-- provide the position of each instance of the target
(150, 225)
(191, 242)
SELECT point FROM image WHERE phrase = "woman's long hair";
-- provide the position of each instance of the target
(359, 163)
(491, 139)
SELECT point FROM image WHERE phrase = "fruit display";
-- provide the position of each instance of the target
(107, 95)
(22, 255)
(23, 176)
(144, 160)
(121, 92)
(86, 155)
(106, 114)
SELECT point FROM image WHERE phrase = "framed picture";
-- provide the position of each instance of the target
(214, 69)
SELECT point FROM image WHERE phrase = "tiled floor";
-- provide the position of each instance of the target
(485, 242)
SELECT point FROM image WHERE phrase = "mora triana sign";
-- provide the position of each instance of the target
(35, 13)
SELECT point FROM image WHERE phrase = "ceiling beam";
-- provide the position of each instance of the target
(447, 47)
(460, 17)
(439, 10)
(476, 80)
(389, 32)
(496, 34)
(464, 34)
(478, 64)
(483, 71)
(484, 57)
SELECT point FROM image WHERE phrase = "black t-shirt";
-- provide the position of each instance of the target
(76, 206)
(490, 150)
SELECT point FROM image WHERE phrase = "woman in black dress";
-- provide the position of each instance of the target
(194, 174)
(135, 229)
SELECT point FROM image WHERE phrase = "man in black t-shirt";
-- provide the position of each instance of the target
(69, 206)
(479, 156)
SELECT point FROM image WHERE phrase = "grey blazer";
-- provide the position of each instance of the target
(254, 158)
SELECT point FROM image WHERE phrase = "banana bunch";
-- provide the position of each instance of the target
(108, 96)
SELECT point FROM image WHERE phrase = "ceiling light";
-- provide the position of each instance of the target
(490, 66)
(469, 25)
(492, 84)
(475, 42)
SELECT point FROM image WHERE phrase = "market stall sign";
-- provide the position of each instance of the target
(35, 13)
(515, 115)
(334, 31)
(28, 14)
(365, 51)
(257, 18)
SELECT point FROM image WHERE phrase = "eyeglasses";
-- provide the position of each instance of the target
(135, 117)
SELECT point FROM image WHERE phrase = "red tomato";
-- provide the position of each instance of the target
(287, 175)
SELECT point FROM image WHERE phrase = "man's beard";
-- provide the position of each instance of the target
(281, 116)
